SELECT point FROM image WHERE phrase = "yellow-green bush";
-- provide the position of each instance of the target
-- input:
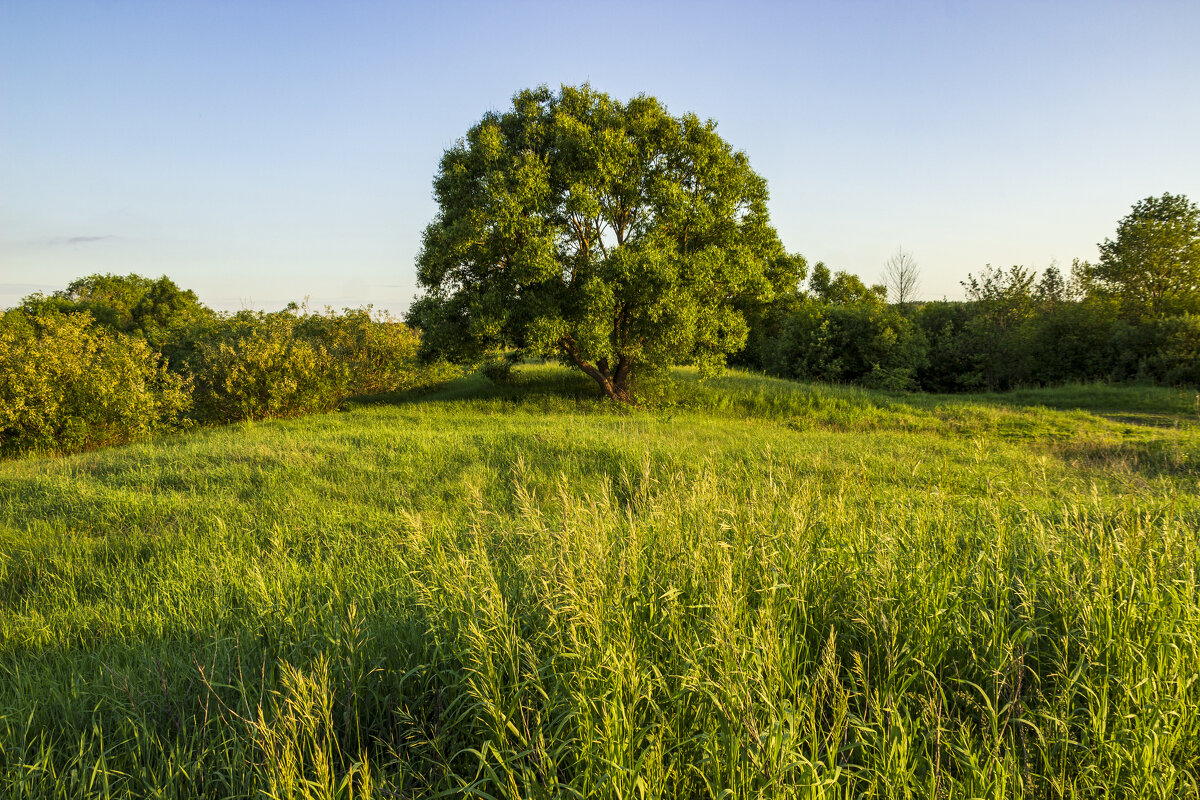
(113, 358)
(381, 354)
(67, 383)
(256, 365)
(253, 366)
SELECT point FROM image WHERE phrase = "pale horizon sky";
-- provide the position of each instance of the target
(264, 152)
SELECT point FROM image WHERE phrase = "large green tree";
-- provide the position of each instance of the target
(610, 235)
(1152, 268)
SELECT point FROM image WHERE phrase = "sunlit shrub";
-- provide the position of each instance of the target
(380, 353)
(67, 383)
(254, 366)
(257, 365)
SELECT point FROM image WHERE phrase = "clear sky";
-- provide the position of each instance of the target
(261, 152)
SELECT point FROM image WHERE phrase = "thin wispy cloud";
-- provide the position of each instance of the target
(77, 240)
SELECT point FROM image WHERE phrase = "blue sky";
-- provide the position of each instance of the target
(262, 152)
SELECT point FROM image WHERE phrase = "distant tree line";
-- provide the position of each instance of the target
(1133, 315)
(112, 358)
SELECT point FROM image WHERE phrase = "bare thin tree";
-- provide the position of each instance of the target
(901, 276)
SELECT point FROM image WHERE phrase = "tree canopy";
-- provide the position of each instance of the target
(155, 308)
(1152, 268)
(842, 288)
(610, 235)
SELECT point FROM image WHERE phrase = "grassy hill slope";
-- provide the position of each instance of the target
(754, 587)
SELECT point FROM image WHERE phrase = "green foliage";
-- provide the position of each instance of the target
(997, 332)
(67, 383)
(869, 343)
(165, 314)
(1015, 329)
(155, 309)
(1152, 268)
(1164, 350)
(841, 332)
(609, 235)
(256, 365)
(498, 366)
(842, 288)
(951, 362)
(1129, 317)
(1071, 341)
(110, 299)
(378, 350)
(769, 590)
(70, 382)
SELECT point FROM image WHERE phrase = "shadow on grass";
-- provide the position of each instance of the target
(207, 693)
(529, 383)
(1134, 402)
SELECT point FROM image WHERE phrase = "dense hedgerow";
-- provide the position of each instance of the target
(255, 365)
(868, 343)
(1132, 316)
(113, 358)
(1010, 335)
(1079, 341)
(67, 383)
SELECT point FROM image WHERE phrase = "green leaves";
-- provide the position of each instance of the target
(611, 235)
(68, 383)
(1153, 266)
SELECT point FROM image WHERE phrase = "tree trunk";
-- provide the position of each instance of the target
(614, 383)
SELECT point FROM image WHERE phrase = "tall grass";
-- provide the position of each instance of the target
(757, 590)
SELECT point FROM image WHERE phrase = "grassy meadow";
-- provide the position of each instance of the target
(750, 588)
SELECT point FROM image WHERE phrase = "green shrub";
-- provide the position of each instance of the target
(1072, 342)
(381, 354)
(1177, 361)
(498, 365)
(865, 342)
(1165, 350)
(949, 366)
(258, 365)
(155, 309)
(67, 383)
(254, 367)
(114, 357)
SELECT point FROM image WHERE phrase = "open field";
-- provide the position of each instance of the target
(755, 589)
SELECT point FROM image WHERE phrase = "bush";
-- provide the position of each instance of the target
(258, 365)
(498, 365)
(115, 357)
(866, 342)
(1073, 342)
(1177, 360)
(949, 365)
(155, 309)
(67, 383)
(1165, 350)
(254, 366)
(381, 354)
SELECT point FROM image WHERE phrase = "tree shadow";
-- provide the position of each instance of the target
(529, 383)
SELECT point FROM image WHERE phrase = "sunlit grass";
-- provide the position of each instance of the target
(746, 588)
